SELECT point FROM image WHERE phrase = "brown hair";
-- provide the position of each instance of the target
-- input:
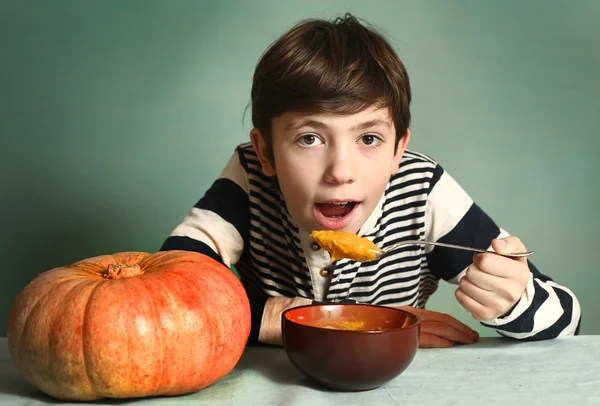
(320, 66)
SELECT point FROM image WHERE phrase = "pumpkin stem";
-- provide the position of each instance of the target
(116, 271)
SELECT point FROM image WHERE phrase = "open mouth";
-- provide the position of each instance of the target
(335, 215)
(335, 210)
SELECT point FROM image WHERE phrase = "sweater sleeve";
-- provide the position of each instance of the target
(218, 226)
(546, 309)
(219, 220)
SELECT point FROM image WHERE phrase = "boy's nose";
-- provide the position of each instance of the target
(340, 168)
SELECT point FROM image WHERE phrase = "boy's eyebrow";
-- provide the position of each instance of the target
(371, 123)
(296, 124)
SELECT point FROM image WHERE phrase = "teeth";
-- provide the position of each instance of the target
(341, 203)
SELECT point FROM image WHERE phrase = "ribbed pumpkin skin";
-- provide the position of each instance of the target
(169, 323)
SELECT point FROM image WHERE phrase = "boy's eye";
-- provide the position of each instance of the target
(370, 139)
(309, 140)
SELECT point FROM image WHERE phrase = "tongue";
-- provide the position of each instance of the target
(335, 210)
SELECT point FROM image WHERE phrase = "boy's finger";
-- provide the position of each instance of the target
(432, 341)
(446, 331)
(509, 245)
(456, 324)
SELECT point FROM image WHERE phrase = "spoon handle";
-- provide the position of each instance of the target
(460, 247)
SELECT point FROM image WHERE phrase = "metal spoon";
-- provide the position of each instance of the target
(441, 244)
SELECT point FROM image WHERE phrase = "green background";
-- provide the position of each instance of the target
(115, 116)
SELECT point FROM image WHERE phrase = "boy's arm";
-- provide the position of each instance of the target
(545, 310)
(265, 311)
(217, 226)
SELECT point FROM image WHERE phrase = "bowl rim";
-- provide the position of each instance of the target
(284, 317)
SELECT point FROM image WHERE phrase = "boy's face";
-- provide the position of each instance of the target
(332, 169)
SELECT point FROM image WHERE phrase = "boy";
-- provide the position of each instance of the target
(330, 110)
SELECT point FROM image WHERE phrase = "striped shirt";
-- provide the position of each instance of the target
(242, 220)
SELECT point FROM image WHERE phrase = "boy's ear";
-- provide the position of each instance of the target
(400, 148)
(260, 146)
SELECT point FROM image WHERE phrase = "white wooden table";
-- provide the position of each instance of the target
(493, 371)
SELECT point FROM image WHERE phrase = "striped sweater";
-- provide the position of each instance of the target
(242, 221)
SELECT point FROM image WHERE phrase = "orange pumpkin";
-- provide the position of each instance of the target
(129, 325)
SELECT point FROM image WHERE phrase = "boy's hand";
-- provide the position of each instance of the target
(441, 330)
(493, 285)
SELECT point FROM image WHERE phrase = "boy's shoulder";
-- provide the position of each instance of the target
(245, 148)
(247, 156)
(417, 157)
(416, 168)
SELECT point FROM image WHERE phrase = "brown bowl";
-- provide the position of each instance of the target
(350, 347)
